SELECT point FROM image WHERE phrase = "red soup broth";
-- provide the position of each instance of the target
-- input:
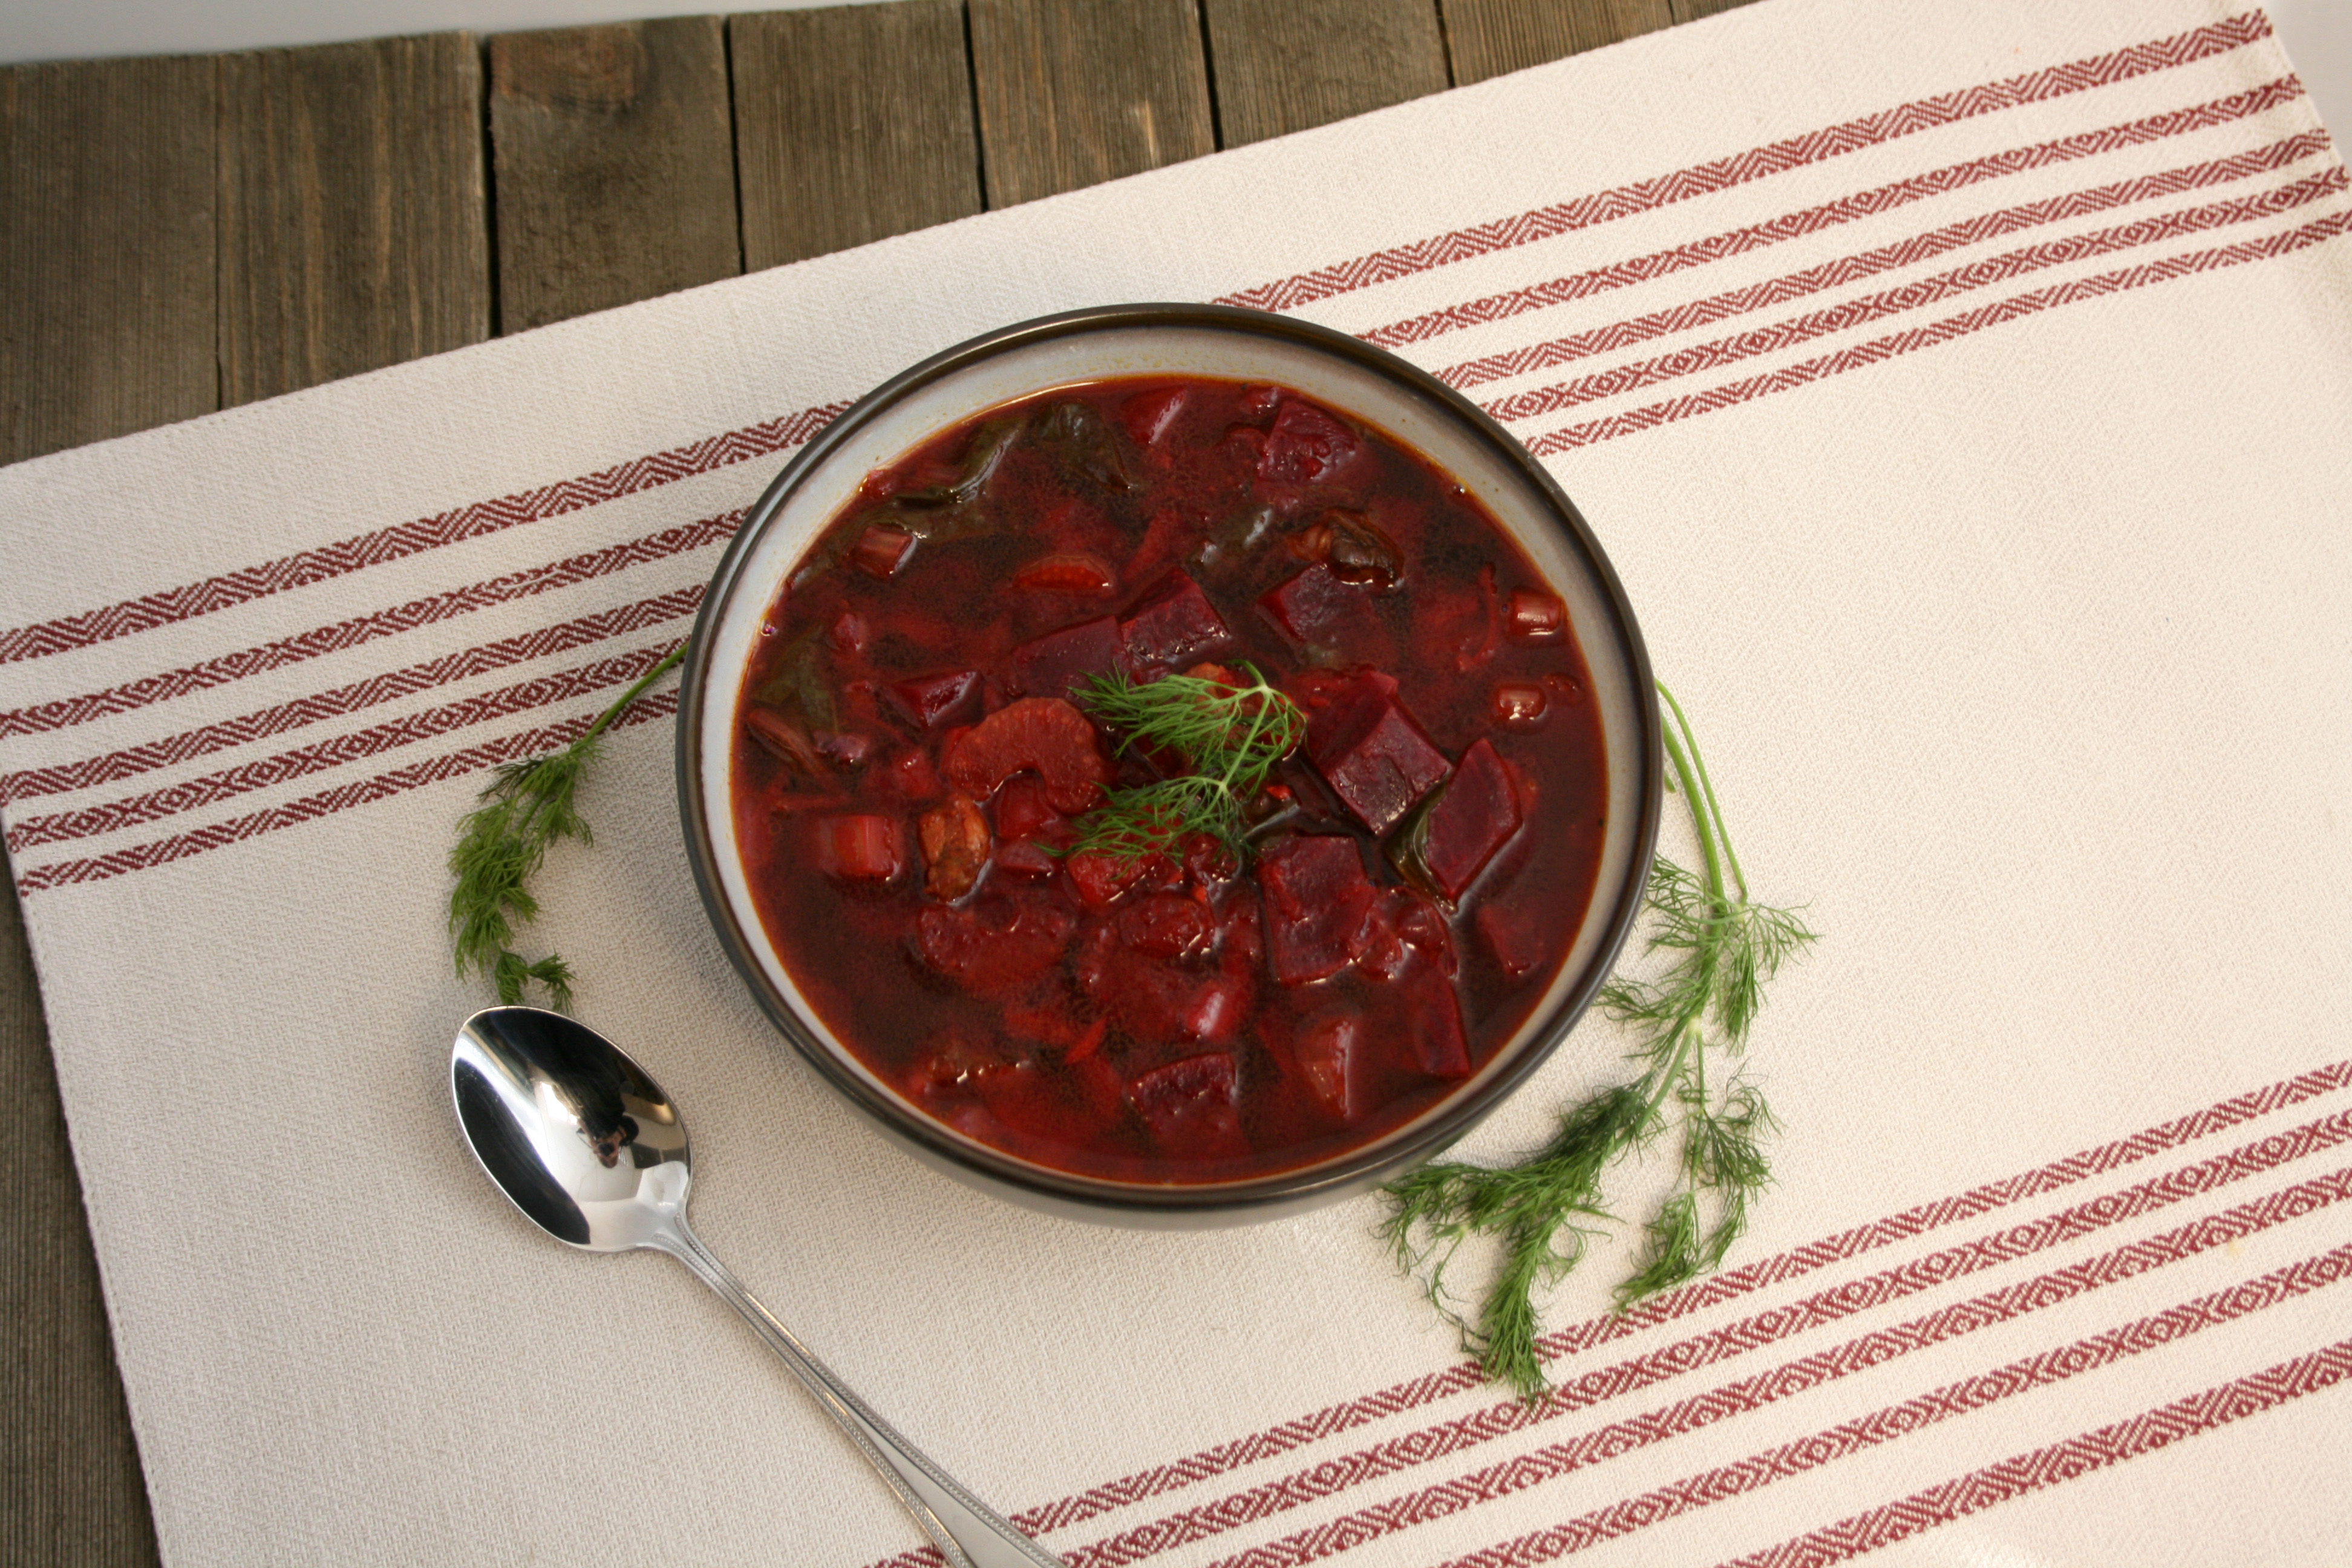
(914, 755)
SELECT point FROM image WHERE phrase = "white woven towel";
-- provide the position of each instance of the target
(1963, 394)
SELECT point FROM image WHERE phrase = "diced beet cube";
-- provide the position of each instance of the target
(1433, 1015)
(1329, 1053)
(1537, 616)
(880, 551)
(1316, 610)
(1147, 415)
(1070, 571)
(930, 699)
(1374, 757)
(1175, 624)
(1519, 932)
(1044, 733)
(1306, 445)
(1214, 1009)
(1051, 665)
(847, 634)
(861, 849)
(1315, 897)
(1518, 705)
(1467, 825)
(848, 749)
(993, 944)
(1189, 1107)
(1100, 878)
(1029, 862)
(1403, 932)
(1164, 925)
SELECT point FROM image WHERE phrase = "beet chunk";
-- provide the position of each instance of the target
(1164, 925)
(1472, 817)
(1051, 665)
(862, 849)
(1376, 759)
(993, 944)
(1041, 732)
(1316, 898)
(1316, 610)
(1174, 624)
(1433, 1013)
(1518, 932)
(1189, 1107)
(1329, 1056)
(1306, 445)
(930, 699)
(1149, 415)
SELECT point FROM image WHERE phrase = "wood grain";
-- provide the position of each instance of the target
(353, 223)
(613, 163)
(1288, 64)
(1489, 38)
(1074, 92)
(852, 123)
(107, 249)
(1692, 10)
(70, 1490)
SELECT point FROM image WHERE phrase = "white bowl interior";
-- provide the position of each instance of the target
(1421, 422)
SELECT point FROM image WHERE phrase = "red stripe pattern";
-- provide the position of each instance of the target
(109, 767)
(1918, 294)
(2058, 1463)
(66, 712)
(1781, 1268)
(1742, 168)
(1830, 214)
(212, 594)
(1962, 1397)
(360, 792)
(1880, 350)
(1869, 264)
(359, 745)
(1522, 1471)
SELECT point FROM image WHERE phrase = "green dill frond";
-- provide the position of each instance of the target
(1718, 950)
(1232, 738)
(527, 809)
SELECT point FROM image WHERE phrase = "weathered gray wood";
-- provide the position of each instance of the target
(1074, 92)
(852, 123)
(354, 221)
(1692, 10)
(613, 162)
(70, 1490)
(107, 249)
(1489, 38)
(1286, 65)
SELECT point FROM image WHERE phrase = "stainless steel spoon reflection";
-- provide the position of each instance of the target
(588, 1146)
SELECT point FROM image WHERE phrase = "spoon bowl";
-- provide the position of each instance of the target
(584, 1143)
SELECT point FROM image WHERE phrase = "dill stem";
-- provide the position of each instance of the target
(1712, 815)
(667, 662)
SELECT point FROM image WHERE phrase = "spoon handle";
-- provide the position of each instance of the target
(966, 1530)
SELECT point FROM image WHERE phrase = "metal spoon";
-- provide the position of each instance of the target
(592, 1151)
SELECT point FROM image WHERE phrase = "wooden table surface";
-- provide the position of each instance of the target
(179, 235)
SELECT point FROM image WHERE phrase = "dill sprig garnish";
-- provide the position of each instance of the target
(1544, 1210)
(1232, 737)
(527, 809)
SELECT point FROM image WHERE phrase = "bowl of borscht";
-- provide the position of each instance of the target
(1169, 764)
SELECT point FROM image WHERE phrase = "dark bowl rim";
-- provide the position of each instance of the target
(1283, 1190)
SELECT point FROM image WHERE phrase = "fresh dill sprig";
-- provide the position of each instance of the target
(1724, 947)
(1231, 737)
(527, 809)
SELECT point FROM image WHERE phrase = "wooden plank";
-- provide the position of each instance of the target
(107, 249)
(1692, 10)
(614, 164)
(354, 224)
(852, 123)
(1286, 65)
(1074, 92)
(1489, 38)
(70, 1490)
